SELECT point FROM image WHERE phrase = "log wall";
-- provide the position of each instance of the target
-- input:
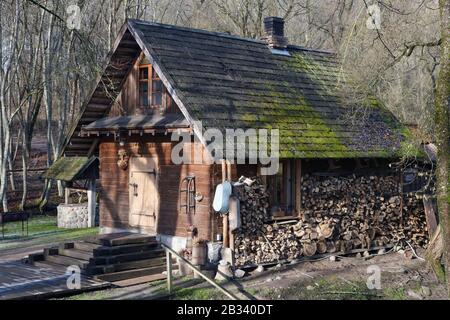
(114, 188)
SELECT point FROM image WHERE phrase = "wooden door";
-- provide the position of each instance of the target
(143, 192)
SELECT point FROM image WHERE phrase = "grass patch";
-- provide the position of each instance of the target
(394, 294)
(36, 225)
(96, 295)
(42, 229)
(198, 294)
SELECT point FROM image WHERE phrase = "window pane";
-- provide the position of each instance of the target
(156, 99)
(157, 86)
(143, 94)
(143, 73)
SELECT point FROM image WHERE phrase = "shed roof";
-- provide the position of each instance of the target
(140, 122)
(72, 168)
(226, 81)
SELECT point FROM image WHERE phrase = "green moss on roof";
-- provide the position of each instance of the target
(67, 168)
(230, 83)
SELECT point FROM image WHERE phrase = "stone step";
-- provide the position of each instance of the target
(127, 257)
(124, 249)
(128, 274)
(75, 253)
(67, 261)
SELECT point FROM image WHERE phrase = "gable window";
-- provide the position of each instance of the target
(144, 85)
(153, 95)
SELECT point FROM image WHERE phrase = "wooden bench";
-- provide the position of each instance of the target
(6, 217)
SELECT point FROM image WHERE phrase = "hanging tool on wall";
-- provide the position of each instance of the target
(191, 195)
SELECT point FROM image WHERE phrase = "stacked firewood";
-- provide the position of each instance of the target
(254, 204)
(339, 214)
(414, 225)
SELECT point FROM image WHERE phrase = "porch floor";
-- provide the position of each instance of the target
(19, 281)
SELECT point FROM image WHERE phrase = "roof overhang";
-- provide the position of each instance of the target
(137, 125)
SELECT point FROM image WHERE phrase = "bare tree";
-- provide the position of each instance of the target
(442, 120)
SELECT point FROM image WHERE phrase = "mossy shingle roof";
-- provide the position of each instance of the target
(69, 168)
(231, 82)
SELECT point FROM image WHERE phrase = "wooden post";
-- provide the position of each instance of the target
(224, 171)
(92, 203)
(66, 195)
(234, 205)
(225, 217)
(228, 170)
(298, 185)
(169, 270)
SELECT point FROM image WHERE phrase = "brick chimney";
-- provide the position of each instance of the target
(274, 33)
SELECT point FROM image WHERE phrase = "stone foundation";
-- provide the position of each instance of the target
(73, 216)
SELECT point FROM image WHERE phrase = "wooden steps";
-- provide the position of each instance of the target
(118, 239)
(128, 274)
(154, 253)
(67, 261)
(137, 264)
(139, 280)
(75, 253)
(116, 250)
(113, 258)
(85, 246)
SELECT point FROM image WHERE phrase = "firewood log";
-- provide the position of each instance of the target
(338, 214)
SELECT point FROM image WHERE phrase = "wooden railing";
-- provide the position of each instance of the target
(170, 252)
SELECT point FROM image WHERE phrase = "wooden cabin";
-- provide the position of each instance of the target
(160, 79)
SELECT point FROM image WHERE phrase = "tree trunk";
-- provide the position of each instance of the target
(25, 156)
(442, 133)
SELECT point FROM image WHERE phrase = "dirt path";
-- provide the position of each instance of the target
(346, 279)
(400, 278)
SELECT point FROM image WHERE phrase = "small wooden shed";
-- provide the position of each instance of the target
(163, 79)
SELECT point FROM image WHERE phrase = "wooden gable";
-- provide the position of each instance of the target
(129, 100)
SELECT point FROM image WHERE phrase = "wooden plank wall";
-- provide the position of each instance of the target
(114, 202)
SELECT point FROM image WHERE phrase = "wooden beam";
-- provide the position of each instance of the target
(169, 270)
(298, 185)
(92, 203)
(29, 170)
(67, 195)
(93, 147)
